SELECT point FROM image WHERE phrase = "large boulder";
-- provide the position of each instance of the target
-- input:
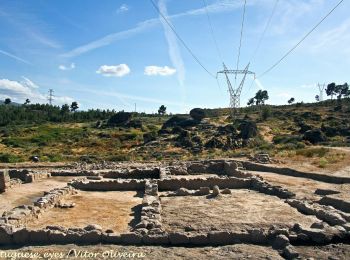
(6, 235)
(176, 120)
(119, 119)
(198, 114)
(214, 143)
(227, 130)
(150, 136)
(314, 136)
(248, 129)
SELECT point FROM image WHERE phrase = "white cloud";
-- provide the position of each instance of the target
(123, 8)
(19, 91)
(162, 71)
(70, 67)
(114, 70)
(28, 83)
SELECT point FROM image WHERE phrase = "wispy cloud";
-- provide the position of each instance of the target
(173, 48)
(217, 7)
(70, 67)
(107, 40)
(114, 70)
(14, 57)
(338, 37)
(156, 70)
(122, 9)
(29, 25)
(19, 91)
(28, 83)
(290, 12)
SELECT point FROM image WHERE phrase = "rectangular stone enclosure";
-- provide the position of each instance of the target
(237, 211)
(112, 210)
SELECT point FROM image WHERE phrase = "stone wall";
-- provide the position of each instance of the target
(195, 184)
(4, 180)
(291, 172)
(28, 176)
(108, 185)
(143, 173)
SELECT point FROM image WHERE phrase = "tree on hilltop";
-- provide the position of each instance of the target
(162, 110)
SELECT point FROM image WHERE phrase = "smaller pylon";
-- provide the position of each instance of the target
(321, 88)
(50, 98)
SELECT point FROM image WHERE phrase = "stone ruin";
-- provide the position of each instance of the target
(174, 179)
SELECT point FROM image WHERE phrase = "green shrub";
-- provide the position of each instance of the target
(285, 139)
(322, 163)
(313, 152)
(9, 158)
(265, 113)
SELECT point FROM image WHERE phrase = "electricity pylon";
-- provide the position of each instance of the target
(321, 89)
(50, 98)
(235, 92)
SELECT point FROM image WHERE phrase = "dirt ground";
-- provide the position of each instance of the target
(242, 209)
(26, 194)
(239, 251)
(302, 187)
(334, 251)
(113, 210)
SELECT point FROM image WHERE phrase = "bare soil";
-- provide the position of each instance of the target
(113, 210)
(302, 187)
(26, 194)
(334, 251)
(239, 210)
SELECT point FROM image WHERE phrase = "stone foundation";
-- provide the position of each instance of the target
(225, 174)
(4, 181)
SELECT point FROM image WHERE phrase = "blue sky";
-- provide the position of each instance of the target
(113, 54)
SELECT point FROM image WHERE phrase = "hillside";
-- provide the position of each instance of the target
(302, 132)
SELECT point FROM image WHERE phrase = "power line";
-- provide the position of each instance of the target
(240, 41)
(306, 35)
(212, 31)
(264, 32)
(181, 40)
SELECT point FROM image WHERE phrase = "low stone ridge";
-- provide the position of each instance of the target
(151, 211)
(336, 202)
(265, 187)
(325, 213)
(23, 214)
(111, 185)
(197, 183)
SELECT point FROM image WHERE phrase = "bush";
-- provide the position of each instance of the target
(9, 158)
(265, 113)
(285, 139)
(312, 152)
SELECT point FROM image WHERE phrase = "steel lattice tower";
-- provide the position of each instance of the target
(235, 92)
(321, 89)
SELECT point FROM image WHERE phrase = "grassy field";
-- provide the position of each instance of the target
(280, 133)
